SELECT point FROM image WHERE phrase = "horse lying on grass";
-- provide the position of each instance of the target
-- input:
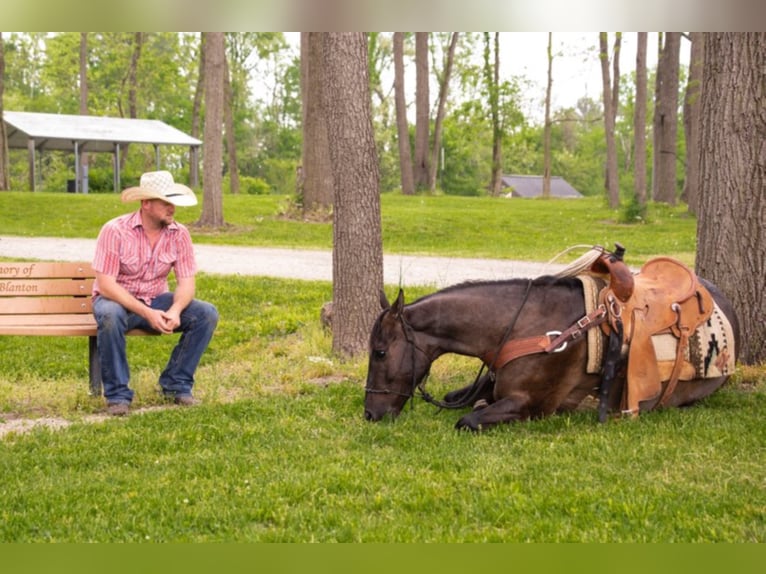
(546, 370)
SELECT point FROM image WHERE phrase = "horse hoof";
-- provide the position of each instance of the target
(467, 424)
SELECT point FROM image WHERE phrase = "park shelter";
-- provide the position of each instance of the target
(38, 132)
(532, 186)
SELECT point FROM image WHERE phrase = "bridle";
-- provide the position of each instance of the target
(416, 386)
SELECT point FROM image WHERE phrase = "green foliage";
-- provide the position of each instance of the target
(248, 185)
(280, 175)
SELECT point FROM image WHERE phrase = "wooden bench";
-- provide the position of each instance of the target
(41, 298)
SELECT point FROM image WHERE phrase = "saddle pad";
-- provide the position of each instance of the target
(591, 287)
(710, 353)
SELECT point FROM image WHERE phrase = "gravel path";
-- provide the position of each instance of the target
(404, 270)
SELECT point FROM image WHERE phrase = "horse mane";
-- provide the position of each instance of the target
(541, 281)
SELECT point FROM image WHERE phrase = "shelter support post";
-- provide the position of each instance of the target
(76, 167)
(31, 153)
(116, 168)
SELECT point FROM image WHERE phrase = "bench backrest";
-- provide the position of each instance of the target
(41, 288)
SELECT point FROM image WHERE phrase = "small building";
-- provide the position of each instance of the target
(532, 186)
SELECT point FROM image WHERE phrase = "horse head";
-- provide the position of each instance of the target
(397, 365)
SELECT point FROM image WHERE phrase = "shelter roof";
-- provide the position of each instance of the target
(532, 186)
(91, 133)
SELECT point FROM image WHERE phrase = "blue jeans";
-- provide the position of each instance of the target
(198, 321)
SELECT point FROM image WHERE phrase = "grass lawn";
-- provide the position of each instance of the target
(279, 450)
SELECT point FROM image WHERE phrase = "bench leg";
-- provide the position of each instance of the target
(94, 367)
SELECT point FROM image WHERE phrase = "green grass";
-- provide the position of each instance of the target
(530, 230)
(308, 468)
(279, 450)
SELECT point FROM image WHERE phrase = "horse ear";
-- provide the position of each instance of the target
(384, 304)
(398, 305)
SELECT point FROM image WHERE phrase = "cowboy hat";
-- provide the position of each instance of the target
(160, 185)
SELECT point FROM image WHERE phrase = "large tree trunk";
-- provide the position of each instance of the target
(666, 119)
(547, 127)
(315, 180)
(357, 238)
(422, 112)
(212, 161)
(639, 122)
(611, 182)
(731, 245)
(443, 90)
(4, 161)
(402, 129)
(691, 122)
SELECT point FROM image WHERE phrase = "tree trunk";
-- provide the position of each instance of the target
(547, 127)
(83, 103)
(402, 129)
(422, 112)
(315, 180)
(212, 160)
(731, 246)
(616, 75)
(611, 181)
(639, 122)
(228, 115)
(691, 122)
(443, 90)
(4, 161)
(197, 107)
(132, 80)
(357, 240)
(666, 119)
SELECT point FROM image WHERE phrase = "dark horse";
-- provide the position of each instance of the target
(473, 319)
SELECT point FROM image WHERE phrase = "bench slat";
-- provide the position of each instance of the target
(43, 305)
(45, 287)
(45, 270)
(53, 319)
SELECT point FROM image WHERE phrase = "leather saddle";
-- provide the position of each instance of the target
(665, 296)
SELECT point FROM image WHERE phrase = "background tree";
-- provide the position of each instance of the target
(83, 102)
(421, 169)
(731, 249)
(316, 175)
(357, 237)
(441, 109)
(692, 121)
(639, 122)
(492, 82)
(402, 126)
(666, 120)
(228, 122)
(4, 163)
(212, 153)
(611, 179)
(196, 112)
(547, 125)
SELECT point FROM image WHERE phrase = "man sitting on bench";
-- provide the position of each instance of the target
(134, 256)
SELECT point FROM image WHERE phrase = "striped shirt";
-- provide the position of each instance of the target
(123, 251)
